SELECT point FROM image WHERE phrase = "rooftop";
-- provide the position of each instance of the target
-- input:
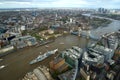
(56, 60)
(67, 75)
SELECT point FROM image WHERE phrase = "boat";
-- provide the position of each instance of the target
(46, 46)
(61, 43)
(1, 67)
(44, 43)
(41, 57)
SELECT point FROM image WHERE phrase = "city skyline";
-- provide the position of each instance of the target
(59, 3)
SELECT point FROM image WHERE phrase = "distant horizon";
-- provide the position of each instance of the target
(93, 4)
(57, 8)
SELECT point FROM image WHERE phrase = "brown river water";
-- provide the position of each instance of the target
(17, 63)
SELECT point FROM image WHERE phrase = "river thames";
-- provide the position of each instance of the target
(17, 63)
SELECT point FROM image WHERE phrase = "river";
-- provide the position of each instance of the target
(112, 27)
(17, 63)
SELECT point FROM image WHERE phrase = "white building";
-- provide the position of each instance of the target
(23, 41)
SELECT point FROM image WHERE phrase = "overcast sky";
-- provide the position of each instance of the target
(59, 3)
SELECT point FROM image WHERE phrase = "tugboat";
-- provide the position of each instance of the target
(43, 56)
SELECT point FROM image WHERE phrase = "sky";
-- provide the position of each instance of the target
(60, 4)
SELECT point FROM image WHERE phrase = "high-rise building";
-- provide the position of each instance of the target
(102, 10)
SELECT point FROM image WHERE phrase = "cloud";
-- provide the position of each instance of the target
(15, 2)
(1, 3)
(60, 3)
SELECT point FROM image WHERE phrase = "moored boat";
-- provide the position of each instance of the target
(43, 56)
